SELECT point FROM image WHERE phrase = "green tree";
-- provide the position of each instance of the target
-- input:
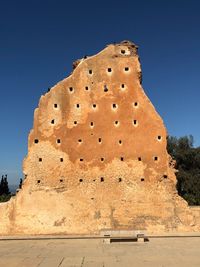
(188, 164)
(20, 183)
(4, 189)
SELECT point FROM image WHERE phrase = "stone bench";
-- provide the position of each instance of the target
(111, 236)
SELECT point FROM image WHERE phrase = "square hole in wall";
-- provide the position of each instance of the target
(40, 159)
(52, 121)
(94, 106)
(55, 105)
(102, 179)
(105, 88)
(123, 51)
(120, 142)
(126, 68)
(116, 123)
(36, 141)
(71, 89)
(38, 181)
(61, 159)
(139, 159)
(135, 122)
(81, 159)
(142, 179)
(159, 137)
(120, 180)
(79, 140)
(102, 159)
(155, 158)
(80, 180)
(100, 140)
(75, 122)
(61, 180)
(123, 87)
(78, 105)
(90, 72)
(109, 70)
(86, 88)
(122, 158)
(58, 141)
(165, 176)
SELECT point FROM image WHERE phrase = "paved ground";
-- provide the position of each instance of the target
(162, 252)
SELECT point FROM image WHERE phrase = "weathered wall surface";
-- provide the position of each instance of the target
(97, 157)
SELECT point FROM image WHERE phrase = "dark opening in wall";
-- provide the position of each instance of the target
(136, 104)
(123, 51)
(52, 121)
(61, 159)
(102, 159)
(36, 141)
(142, 179)
(122, 85)
(91, 123)
(94, 105)
(139, 159)
(165, 176)
(86, 88)
(102, 179)
(105, 88)
(135, 122)
(90, 71)
(78, 105)
(61, 180)
(120, 142)
(71, 89)
(109, 69)
(126, 68)
(38, 181)
(159, 137)
(80, 140)
(80, 180)
(100, 140)
(116, 122)
(40, 159)
(55, 105)
(81, 159)
(114, 105)
(155, 158)
(121, 158)
(58, 141)
(120, 179)
(75, 122)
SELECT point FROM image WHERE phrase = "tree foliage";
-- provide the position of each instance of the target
(4, 189)
(188, 165)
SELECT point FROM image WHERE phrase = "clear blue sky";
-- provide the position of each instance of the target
(39, 40)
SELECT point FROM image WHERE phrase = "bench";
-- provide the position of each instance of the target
(110, 236)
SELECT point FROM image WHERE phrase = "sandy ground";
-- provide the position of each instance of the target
(162, 252)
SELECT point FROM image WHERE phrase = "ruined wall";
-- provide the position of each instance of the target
(97, 156)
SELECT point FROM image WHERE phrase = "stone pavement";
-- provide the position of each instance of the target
(162, 252)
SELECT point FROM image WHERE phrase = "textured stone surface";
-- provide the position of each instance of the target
(97, 157)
